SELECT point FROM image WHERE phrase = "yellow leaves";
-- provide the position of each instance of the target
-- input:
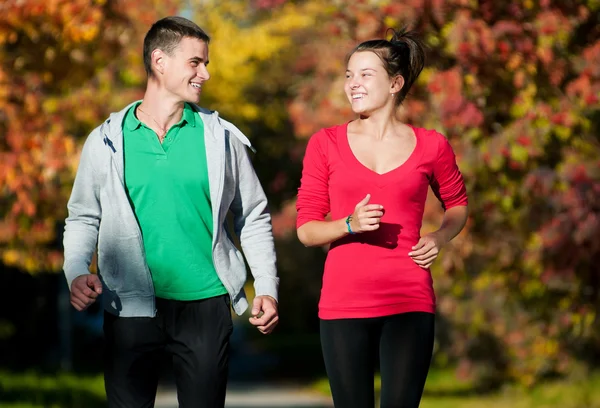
(524, 101)
(562, 132)
(482, 282)
(506, 202)
(239, 49)
(532, 288)
(447, 33)
(472, 134)
(514, 61)
(470, 80)
(593, 4)
(390, 21)
(458, 290)
(10, 257)
(519, 153)
(69, 146)
(545, 347)
(7, 36)
(496, 162)
(426, 76)
(582, 323)
(564, 304)
(50, 105)
(531, 68)
(534, 247)
(29, 264)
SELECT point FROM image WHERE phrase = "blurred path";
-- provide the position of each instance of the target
(264, 395)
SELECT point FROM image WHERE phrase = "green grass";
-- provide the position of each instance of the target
(34, 390)
(444, 390)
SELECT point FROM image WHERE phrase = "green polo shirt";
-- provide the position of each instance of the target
(168, 188)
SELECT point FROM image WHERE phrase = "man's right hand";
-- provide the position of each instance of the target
(85, 289)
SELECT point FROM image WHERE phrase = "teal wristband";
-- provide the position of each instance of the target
(348, 219)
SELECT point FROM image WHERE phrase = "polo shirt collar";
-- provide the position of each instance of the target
(189, 115)
(132, 122)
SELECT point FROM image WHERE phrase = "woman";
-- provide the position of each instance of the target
(372, 175)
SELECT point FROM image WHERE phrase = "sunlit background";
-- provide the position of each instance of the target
(514, 85)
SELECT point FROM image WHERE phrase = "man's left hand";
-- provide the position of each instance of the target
(264, 314)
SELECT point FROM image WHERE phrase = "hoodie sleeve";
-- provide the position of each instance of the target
(84, 213)
(252, 224)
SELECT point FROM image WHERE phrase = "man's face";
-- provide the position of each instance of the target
(185, 70)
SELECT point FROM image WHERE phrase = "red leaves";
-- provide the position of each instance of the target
(509, 28)
(591, 57)
(455, 110)
(474, 40)
(524, 140)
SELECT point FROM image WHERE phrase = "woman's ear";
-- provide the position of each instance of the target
(397, 84)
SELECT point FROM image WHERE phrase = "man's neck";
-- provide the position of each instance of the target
(162, 107)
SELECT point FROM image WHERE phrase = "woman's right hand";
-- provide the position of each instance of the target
(366, 217)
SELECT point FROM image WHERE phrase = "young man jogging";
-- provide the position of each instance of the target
(152, 192)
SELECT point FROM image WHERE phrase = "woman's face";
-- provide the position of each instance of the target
(368, 85)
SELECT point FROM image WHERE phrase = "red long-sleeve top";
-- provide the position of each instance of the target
(370, 274)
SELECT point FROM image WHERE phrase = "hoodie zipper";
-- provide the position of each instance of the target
(218, 226)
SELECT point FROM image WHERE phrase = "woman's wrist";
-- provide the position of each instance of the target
(348, 222)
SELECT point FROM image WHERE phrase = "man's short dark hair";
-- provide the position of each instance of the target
(166, 34)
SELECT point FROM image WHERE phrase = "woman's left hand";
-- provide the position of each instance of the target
(426, 250)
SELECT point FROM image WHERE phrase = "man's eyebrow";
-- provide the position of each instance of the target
(199, 59)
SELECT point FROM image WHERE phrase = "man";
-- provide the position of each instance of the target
(152, 192)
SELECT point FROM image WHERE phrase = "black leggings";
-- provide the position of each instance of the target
(402, 344)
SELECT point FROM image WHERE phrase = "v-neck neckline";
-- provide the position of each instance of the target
(358, 167)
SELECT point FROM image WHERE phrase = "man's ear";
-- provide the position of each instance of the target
(158, 61)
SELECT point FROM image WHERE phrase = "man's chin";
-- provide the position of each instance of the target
(195, 99)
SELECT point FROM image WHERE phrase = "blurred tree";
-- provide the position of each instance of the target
(515, 86)
(64, 65)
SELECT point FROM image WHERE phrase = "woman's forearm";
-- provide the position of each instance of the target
(317, 233)
(454, 221)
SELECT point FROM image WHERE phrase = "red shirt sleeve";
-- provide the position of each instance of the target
(313, 194)
(447, 182)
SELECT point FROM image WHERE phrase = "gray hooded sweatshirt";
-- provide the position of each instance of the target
(101, 217)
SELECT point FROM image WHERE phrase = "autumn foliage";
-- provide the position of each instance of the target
(64, 65)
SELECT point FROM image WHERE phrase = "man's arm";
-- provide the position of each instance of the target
(252, 224)
(81, 230)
